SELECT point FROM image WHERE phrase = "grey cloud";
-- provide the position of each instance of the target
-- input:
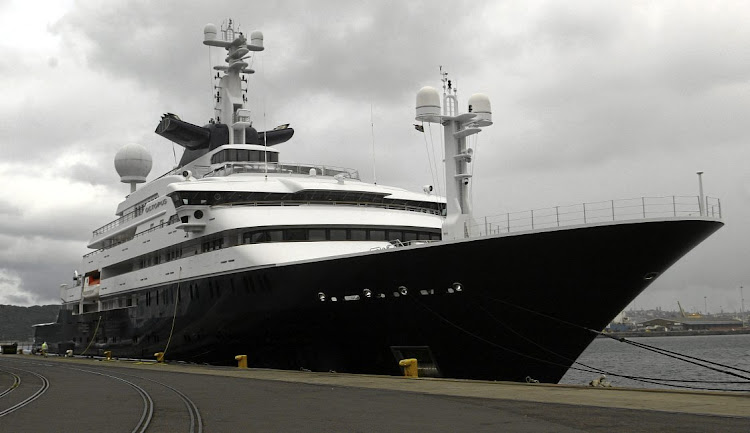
(9, 210)
(94, 174)
(52, 264)
(648, 91)
(566, 26)
(323, 51)
(72, 230)
(71, 224)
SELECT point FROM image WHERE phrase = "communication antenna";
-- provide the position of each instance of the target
(230, 98)
(372, 130)
(459, 222)
(133, 163)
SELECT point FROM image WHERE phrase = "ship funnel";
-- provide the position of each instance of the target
(428, 105)
(479, 104)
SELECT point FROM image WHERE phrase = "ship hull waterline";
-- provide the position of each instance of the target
(512, 318)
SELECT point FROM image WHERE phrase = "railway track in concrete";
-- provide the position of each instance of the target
(158, 406)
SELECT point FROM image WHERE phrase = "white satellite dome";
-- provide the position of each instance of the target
(209, 32)
(133, 163)
(428, 105)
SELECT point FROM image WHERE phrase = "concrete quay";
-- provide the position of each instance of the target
(85, 395)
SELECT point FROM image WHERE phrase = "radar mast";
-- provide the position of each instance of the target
(459, 220)
(230, 99)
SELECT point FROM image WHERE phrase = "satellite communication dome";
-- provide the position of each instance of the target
(428, 105)
(133, 163)
(256, 38)
(479, 104)
(209, 32)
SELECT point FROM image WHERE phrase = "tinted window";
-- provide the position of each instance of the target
(377, 235)
(395, 234)
(358, 234)
(317, 234)
(338, 234)
(258, 237)
(295, 235)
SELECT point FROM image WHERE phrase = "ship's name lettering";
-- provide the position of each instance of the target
(151, 207)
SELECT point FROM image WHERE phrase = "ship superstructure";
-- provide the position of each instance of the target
(232, 205)
(307, 266)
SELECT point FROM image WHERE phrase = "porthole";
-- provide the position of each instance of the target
(198, 214)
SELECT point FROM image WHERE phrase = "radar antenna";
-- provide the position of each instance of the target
(456, 128)
(230, 96)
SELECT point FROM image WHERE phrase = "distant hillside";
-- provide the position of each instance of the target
(15, 322)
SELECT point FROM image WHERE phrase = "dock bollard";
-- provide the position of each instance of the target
(20, 351)
(410, 367)
(159, 357)
(69, 353)
(108, 355)
(241, 361)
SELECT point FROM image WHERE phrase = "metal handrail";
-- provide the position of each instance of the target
(281, 168)
(118, 222)
(136, 212)
(558, 216)
(119, 242)
(243, 167)
(283, 203)
(596, 212)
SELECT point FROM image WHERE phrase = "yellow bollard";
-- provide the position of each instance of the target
(159, 356)
(108, 355)
(410, 367)
(241, 361)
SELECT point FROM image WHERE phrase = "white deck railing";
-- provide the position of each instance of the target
(596, 212)
(281, 168)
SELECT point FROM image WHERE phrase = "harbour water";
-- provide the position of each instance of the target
(625, 359)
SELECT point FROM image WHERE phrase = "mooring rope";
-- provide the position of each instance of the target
(587, 368)
(174, 315)
(675, 355)
(93, 336)
(598, 370)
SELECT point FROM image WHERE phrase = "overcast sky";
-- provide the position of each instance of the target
(592, 100)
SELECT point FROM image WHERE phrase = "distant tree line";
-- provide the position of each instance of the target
(15, 321)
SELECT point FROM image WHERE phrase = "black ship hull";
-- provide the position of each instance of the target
(497, 308)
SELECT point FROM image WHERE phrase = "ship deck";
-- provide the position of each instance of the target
(96, 395)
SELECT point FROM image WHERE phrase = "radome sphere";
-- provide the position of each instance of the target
(133, 163)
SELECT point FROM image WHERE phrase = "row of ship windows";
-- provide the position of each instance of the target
(337, 234)
(243, 155)
(296, 234)
(121, 302)
(150, 297)
(156, 258)
(213, 198)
